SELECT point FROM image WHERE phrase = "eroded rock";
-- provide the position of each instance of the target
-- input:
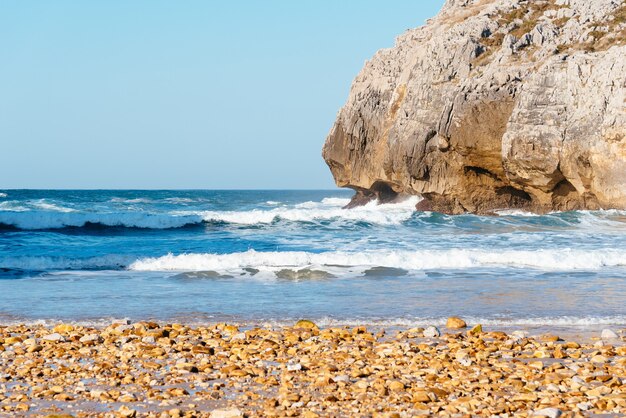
(493, 104)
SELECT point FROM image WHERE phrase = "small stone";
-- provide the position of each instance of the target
(127, 412)
(91, 339)
(454, 322)
(395, 386)
(35, 348)
(231, 329)
(431, 332)
(548, 412)
(608, 334)
(519, 334)
(55, 337)
(305, 323)
(421, 396)
(187, 367)
(294, 367)
(465, 361)
(13, 340)
(63, 328)
(226, 413)
(527, 397)
(23, 407)
(477, 329)
(550, 338)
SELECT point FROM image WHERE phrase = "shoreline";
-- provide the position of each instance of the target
(150, 368)
(585, 329)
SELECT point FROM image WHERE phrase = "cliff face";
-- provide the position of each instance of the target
(493, 104)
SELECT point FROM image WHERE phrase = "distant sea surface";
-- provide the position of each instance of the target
(276, 256)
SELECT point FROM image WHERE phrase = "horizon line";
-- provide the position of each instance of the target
(175, 189)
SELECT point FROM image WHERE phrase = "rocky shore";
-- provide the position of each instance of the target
(150, 369)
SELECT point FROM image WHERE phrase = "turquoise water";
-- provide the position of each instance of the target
(273, 256)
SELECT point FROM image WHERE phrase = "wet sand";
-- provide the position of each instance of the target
(220, 370)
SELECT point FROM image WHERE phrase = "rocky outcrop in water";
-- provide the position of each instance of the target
(493, 104)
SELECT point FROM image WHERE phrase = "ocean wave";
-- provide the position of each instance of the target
(340, 263)
(12, 205)
(44, 214)
(48, 215)
(327, 209)
(2, 195)
(129, 200)
(179, 200)
(514, 212)
(307, 265)
(38, 220)
(47, 206)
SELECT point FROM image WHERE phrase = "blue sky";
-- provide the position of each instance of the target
(192, 94)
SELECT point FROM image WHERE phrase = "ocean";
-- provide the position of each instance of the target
(259, 257)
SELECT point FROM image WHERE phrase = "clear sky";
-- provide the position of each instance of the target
(182, 94)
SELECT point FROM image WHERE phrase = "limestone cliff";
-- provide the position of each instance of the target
(493, 104)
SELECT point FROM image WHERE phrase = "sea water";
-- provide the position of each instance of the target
(276, 256)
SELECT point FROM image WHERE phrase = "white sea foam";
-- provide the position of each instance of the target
(337, 262)
(12, 205)
(54, 220)
(133, 200)
(330, 208)
(555, 321)
(576, 323)
(3, 195)
(514, 212)
(336, 201)
(589, 326)
(42, 204)
(51, 216)
(179, 200)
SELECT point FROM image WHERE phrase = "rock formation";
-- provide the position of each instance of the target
(493, 104)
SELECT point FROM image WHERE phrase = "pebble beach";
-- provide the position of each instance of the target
(173, 370)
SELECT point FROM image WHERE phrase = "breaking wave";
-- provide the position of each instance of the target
(56, 217)
(340, 263)
(327, 209)
(307, 265)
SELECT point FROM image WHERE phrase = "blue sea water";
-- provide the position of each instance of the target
(275, 256)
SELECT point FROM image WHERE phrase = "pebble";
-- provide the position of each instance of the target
(63, 328)
(305, 323)
(548, 412)
(432, 332)
(454, 322)
(294, 367)
(477, 329)
(226, 413)
(55, 337)
(91, 338)
(608, 334)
